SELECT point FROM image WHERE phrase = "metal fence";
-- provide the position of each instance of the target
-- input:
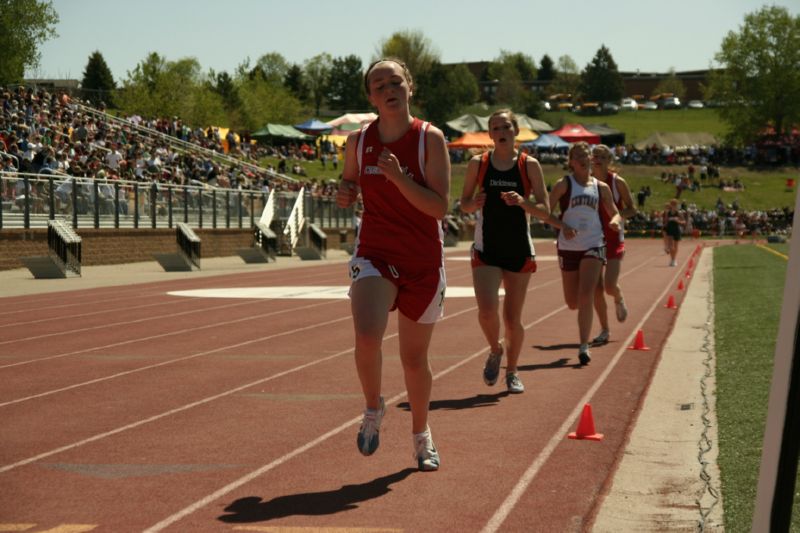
(31, 200)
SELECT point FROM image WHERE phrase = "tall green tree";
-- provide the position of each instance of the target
(346, 88)
(272, 68)
(98, 83)
(601, 80)
(225, 86)
(317, 71)
(514, 73)
(413, 48)
(567, 78)
(546, 69)
(24, 25)
(157, 87)
(447, 89)
(671, 84)
(295, 83)
(758, 83)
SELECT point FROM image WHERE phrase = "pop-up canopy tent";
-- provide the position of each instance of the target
(546, 141)
(677, 139)
(477, 139)
(575, 132)
(608, 135)
(313, 126)
(281, 131)
(473, 123)
(352, 118)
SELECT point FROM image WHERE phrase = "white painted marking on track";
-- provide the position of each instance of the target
(311, 292)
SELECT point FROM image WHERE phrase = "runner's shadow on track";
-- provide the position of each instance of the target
(479, 400)
(558, 363)
(552, 347)
(254, 509)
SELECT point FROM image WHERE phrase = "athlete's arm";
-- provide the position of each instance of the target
(559, 189)
(471, 202)
(433, 200)
(348, 186)
(607, 201)
(628, 209)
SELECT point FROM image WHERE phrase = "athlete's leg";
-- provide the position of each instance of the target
(414, 339)
(611, 282)
(486, 280)
(600, 305)
(516, 287)
(589, 274)
(370, 301)
(569, 281)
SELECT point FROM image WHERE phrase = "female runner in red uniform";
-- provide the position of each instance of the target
(615, 242)
(401, 166)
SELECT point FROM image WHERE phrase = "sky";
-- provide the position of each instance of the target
(222, 34)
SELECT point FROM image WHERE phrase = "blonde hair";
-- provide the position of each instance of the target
(406, 72)
(582, 146)
(604, 149)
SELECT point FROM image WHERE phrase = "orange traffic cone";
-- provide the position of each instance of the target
(671, 303)
(638, 343)
(680, 285)
(688, 273)
(586, 429)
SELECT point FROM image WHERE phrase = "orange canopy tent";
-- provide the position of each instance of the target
(476, 139)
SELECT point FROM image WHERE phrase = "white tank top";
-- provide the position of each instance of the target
(583, 214)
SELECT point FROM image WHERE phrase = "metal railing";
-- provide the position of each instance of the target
(31, 200)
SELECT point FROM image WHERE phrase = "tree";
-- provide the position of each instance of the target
(294, 82)
(264, 103)
(317, 72)
(272, 68)
(758, 84)
(448, 89)
(546, 69)
(413, 48)
(98, 82)
(346, 88)
(224, 85)
(24, 25)
(600, 80)
(671, 84)
(514, 73)
(567, 77)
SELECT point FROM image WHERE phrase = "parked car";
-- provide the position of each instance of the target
(610, 108)
(628, 104)
(648, 105)
(695, 104)
(670, 102)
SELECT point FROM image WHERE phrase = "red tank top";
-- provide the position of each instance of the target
(613, 238)
(392, 229)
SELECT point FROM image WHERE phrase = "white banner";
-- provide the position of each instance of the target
(269, 210)
(296, 219)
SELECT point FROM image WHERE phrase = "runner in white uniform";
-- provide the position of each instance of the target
(581, 244)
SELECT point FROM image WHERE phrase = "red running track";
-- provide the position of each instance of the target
(130, 409)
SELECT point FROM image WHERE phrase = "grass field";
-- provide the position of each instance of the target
(748, 290)
(638, 125)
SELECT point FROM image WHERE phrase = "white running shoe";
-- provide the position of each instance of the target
(491, 370)
(514, 384)
(368, 435)
(622, 311)
(425, 452)
(601, 339)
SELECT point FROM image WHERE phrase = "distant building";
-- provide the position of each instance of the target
(50, 85)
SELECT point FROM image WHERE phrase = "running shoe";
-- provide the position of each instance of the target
(491, 370)
(601, 339)
(368, 440)
(425, 452)
(514, 384)
(583, 356)
(622, 311)
(673, 263)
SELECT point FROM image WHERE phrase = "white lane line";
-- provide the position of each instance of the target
(530, 473)
(171, 361)
(168, 334)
